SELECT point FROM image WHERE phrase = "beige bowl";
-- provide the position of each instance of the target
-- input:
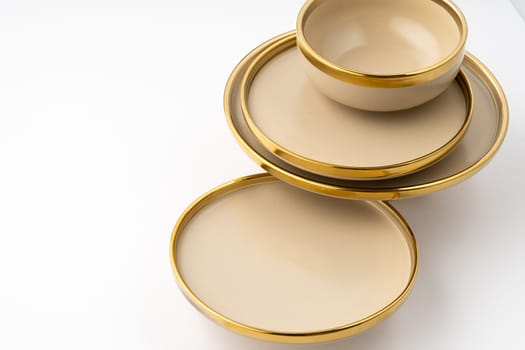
(381, 55)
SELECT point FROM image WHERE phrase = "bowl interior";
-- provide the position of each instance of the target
(382, 37)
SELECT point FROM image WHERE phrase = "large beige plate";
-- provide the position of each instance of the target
(298, 124)
(480, 143)
(278, 263)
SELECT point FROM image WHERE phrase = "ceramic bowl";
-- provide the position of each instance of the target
(381, 55)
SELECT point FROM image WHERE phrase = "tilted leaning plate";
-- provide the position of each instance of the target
(298, 124)
(274, 262)
(481, 141)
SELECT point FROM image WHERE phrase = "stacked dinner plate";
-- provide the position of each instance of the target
(368, 100)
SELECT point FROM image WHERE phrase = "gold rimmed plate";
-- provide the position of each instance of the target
(277, 263)
(298, 124)
(481, 141)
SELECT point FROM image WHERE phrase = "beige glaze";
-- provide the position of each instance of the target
(287, 109)
(382, 37)
(283, 260)
(482, 140)
(377, 98)
(355, 47)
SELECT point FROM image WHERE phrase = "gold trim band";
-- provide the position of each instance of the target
(387, 81)
(313, 337)
(336, 170)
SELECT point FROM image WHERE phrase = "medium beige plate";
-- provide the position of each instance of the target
(303, 127)
(482, 140)
(278, 263)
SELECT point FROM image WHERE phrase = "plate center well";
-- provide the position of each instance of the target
(277, 258)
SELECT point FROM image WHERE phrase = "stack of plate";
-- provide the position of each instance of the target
(278, 263)
(303, 138)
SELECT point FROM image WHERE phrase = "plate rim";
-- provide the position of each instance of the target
(346, 172)
(288, 337)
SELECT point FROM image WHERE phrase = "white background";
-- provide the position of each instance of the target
(111, 123)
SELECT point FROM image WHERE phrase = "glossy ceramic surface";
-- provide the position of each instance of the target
(482, 140)
(303, 127)
(278, 263)
(380, 54)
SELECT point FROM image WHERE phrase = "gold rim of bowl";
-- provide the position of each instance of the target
(382, 81)
(362, 191)
(307, 337)
(334, 170)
